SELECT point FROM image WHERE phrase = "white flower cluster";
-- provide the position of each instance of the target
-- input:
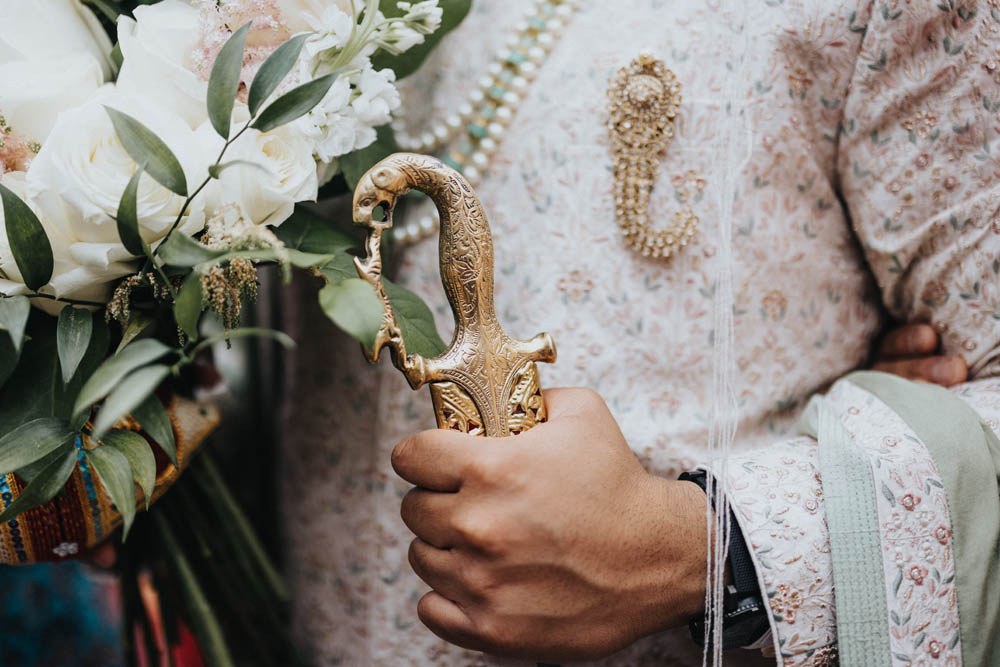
(59, 150)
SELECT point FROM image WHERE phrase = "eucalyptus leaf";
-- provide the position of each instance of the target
(9, 357)
(130, 392)
(31, 441)
(28, 473)
(354, 307)
(284, 339)
(415, 321)
(310, 232)
(354, 165)
(73, 332)
(155, 421)
(111, 372)
(295, 103)
(183, 251)
(145, 147)
(273, 71)
(14, 311)
(187, 306)
(113, 468)
(44, 486)
(137, 324)
(362, 320)
(97, 352)
(339, 269)
(140, 458)
(27, 240)
(294, 257)
(407, 62)
(107, 8)
(224, 81)
(128, 216)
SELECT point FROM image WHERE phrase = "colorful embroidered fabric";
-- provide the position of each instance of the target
(82, 514)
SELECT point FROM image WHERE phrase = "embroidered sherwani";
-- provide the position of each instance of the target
(866, 182)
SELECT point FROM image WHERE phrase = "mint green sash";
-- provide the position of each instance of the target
(966, 453)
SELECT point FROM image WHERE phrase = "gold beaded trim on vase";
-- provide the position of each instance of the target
(644, 98)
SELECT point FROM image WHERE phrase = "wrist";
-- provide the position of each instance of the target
(680, 533)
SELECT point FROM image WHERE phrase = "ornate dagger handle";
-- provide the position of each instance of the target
(485, 383)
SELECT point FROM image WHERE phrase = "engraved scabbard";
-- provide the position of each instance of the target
(485, 383)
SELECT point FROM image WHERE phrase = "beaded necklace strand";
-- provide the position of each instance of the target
(467, 139)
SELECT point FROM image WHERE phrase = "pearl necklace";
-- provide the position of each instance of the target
(468, 138)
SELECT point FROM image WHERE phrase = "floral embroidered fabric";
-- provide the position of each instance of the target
(777, 496)
(866, 122)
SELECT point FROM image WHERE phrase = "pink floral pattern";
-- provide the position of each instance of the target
(888, 106)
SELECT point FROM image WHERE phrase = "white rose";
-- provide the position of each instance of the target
(158, 49)
(34, 92)
(70, 278)
(53, 55)
(294, 13)
(45, 28)
(78, 178)
(267, 195)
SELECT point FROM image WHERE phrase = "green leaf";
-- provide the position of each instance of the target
(146, 148)
(29, 472)
(407, 63)
(284, 339)
(110, 373)
(273, 72)
(8, 357)
(27, 239)
(354, 307)
(45, 485)
(310, 232)
(128, 216)
(184, 251)
(140, 458)
(73, 338)
(138, 323)
(116, 476)
(187, 307)
(295, 103)
(29, 442)
(117, 59)
(155, 421)
(108, 8)
(129, 393)
(354, 165)
(415, 321)
(14, 311)
(362, 320)
(341, 268)
(224, 81)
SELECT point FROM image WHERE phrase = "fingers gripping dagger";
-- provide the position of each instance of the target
(485, 383)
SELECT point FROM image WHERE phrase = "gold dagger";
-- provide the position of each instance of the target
(485, 383)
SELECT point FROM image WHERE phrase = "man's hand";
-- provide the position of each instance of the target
(555, 544)
(909, 351)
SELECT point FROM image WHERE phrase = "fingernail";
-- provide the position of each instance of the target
(947, 371)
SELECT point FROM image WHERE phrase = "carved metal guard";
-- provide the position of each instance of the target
(485, 383)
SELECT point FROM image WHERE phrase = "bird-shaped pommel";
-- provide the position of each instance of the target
(485, 383)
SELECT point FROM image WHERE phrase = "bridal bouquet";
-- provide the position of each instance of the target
(152, 156)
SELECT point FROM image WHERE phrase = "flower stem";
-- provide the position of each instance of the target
(190, 198)
(76, 302)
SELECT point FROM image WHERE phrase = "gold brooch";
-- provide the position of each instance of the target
(644, 97)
